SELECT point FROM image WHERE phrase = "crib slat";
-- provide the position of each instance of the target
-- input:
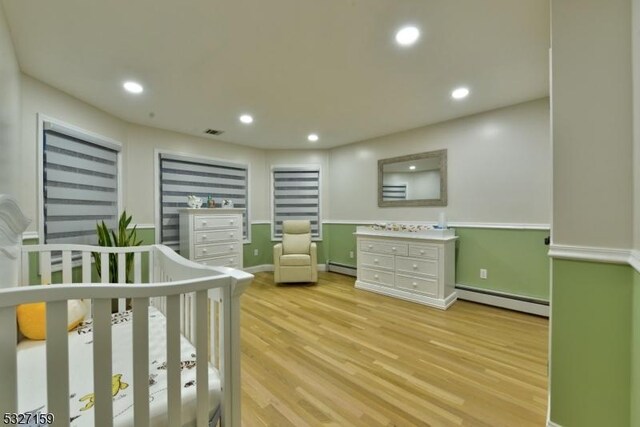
(58, 362)
(173, 361)
(66, 267)
(141, 362)
(213, 332)
(202, 365)
(45, 268)
(102, 362)
(137, 267)
(26, 265)
(8, 362)
(86, 267)
(104, 267)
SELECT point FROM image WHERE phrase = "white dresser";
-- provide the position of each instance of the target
(415, 266)
(212, 236)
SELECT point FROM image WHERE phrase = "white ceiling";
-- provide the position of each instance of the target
(298, 66)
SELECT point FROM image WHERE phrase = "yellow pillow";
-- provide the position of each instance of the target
(32, 318)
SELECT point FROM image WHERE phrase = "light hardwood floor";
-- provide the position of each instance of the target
(332, 355)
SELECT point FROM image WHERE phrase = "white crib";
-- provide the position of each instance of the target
(197, 302)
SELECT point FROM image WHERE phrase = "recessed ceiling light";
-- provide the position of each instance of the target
(406, 36)
(460, 93)
(313, 137)
(412, 167)
(246, 119)
(133, 87)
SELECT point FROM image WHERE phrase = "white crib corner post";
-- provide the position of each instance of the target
(230, 384)
(236, 395)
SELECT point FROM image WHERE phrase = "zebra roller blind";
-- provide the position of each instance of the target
(182, 176)
(296, 195)
(394, 192)
(80, 187)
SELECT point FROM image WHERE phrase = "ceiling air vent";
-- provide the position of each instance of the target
(213, 132)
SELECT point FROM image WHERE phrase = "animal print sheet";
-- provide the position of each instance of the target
(32, 376)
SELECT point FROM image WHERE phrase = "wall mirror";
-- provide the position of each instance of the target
(413, 180)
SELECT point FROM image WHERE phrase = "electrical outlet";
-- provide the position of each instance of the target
(255, 252)
(351, 254)
(483, 273)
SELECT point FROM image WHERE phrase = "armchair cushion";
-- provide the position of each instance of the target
(295, 260)
(296, 243)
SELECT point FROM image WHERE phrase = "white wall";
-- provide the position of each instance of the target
(9, 112)
(38, 97)
(592, 123)
(499, 169)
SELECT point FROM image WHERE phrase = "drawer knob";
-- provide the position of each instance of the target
(370, 246)
(415, 285)
(231, 222)
(230, 234)
(230, 261)
(376, 276)
(230, 248)
(204, 250)
(421, 251)
(204, 222)
(375, 261)
(204, 237)
(415, 267)
(393, 249)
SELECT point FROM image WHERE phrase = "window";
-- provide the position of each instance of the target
(181, 176)
(296, 195)
(394, 192)
(80, 184)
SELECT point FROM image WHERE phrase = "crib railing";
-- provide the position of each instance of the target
(198, 301)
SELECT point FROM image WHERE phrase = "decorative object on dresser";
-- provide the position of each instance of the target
(212, 236)
(194, 201)
(417, 266)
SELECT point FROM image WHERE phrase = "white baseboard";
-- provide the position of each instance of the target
(552, 424)
(269, 267)
(342, 269)
(504, 302)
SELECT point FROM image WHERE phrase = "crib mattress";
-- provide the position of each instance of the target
(32, 374)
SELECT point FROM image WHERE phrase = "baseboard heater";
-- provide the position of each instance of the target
(513, 302)
(342, 268)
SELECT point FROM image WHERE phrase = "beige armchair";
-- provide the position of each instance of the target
(296, 258)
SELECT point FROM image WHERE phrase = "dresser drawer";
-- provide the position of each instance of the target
(423, 251)
(207, 222)
(208, 251)
(231, 235)
(390, 248)
(376, 277)
(417, 266)
(376, 261)
(413, 284)
(226, 261)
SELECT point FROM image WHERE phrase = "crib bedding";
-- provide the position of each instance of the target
(32, 376)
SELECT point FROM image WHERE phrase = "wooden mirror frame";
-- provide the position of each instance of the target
(442, 201)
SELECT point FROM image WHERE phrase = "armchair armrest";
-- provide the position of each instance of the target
(277, 253)
(313, 251)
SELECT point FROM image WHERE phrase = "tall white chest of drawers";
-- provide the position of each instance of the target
(418, 267)
(212, 236)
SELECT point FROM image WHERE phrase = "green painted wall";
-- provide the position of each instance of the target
(516, 260)
(341, 241)
(635, 352)
(590, 344)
